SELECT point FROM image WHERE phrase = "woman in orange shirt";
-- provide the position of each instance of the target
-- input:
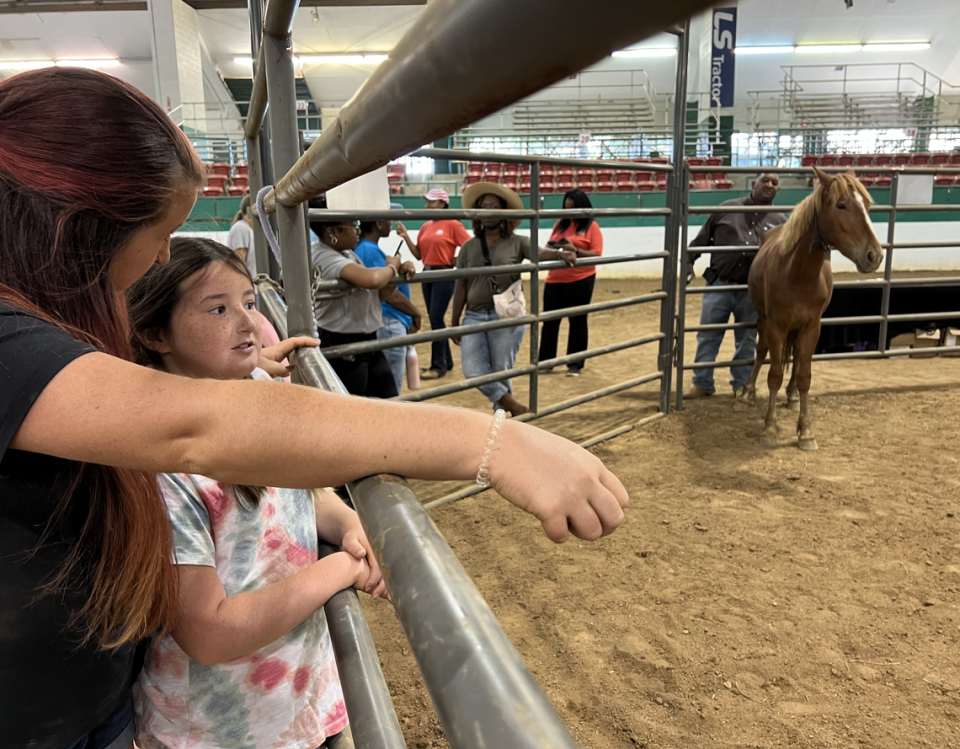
(571, 287)
(436, 247)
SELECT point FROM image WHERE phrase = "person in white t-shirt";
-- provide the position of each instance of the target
(240, 238)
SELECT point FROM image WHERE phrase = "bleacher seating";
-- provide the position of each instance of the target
(226, 180)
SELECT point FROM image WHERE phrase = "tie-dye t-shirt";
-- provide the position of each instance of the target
(286, 695)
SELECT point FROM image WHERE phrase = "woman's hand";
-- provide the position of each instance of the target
(407, 269)
(566, 488)
(271, 357)
(415, 322)
(456, 338)
(568, 256)
(356, 544)
(393, 261)
(402, 230)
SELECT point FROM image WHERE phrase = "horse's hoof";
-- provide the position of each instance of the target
(769, 441)
(809, 444)
(792, 405)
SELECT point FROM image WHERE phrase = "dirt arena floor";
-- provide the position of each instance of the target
(752, 597)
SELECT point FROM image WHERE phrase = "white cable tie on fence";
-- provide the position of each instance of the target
(265, 223)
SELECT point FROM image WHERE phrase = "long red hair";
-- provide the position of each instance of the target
(86, 161)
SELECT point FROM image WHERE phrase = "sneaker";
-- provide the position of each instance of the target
(431, 374)
(573, 373)
(696, 392)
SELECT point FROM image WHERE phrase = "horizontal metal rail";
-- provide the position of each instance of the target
(471, 491)
(416, 96)
(865, 283)
(482, 690)
(458, 387)
(457, 154)
(828, 169)
(432, 276)
(930, 352)
(703, 250)
(364, 347)
(703, 210)
(325, 215)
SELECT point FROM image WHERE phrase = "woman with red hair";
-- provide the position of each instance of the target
(85, 547)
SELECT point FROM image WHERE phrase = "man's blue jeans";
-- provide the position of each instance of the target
(492, 351)
(716, 310)
(396, 357)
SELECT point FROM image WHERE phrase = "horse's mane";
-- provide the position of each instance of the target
(843, 184)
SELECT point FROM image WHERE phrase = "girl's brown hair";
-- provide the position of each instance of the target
(152, 300)
(68, 208)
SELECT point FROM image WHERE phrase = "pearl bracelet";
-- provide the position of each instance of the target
(483, 474)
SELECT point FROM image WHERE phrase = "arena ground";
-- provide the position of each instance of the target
(752, 598)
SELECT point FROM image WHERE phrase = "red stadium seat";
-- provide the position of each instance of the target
(955, 157)
(511, 169)
(845, 159)
(723, 184)
(220, 168)
(236, 192)
(212, 192)
(939, 158)
(241, 182)
(646, 186)
(901, 159)
(217, 180)
(626, 187)
(863, 160)
(713, 161)
(828, 159)
(944, 180)
(694, 161)
(395, 189)
(921, 159)
(883, 180)
(867, 180)
(809, 160)
(604, 186)
(242, 170)
(472, 179)
(883, 159)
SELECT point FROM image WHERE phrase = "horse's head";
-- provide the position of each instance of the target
(843, 219)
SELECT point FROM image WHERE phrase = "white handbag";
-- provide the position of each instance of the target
(512, 302)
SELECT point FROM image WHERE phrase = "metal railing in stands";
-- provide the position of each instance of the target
(483, 694)
(886, 282)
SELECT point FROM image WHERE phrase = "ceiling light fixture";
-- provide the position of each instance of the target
(897, 47)
(25, 64)
(646, 52)
(358, 59)
(817, 49)
(763, 50)
(93, 63)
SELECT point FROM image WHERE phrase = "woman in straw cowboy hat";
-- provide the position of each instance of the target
(494, 243)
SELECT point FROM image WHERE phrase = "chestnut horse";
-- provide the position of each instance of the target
(791, 284)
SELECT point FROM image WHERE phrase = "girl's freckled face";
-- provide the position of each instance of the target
(215, 329)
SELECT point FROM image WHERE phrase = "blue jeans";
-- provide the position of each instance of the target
(396, 357)
(716, 310)
(437, 296)
(115, 732)
(489, 352)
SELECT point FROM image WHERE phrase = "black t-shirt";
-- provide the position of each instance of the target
(52, 691)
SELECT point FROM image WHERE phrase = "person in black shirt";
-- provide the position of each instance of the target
(85, 544)
(727, 269)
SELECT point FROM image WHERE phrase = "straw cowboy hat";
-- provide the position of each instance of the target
(472, 195)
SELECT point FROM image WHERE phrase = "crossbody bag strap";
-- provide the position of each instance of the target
(488, 262)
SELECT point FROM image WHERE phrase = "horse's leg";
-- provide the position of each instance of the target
(792, 394)
(749, 392)
(806, 344)
(770, 436)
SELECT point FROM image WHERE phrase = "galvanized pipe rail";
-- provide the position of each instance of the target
(886, 283)
(417, 96)
(484, 694)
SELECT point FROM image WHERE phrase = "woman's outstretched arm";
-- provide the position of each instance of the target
(100, 409)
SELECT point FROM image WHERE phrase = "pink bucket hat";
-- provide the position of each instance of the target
(438, 193)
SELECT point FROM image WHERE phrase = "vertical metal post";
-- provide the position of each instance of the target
(682, 290)
(254, 166)
(285, 147)
(676, 185)
(888, 262)
(535, 285)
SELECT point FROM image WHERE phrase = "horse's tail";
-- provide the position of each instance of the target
(786, 353)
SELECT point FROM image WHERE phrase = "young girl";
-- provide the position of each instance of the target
(250, 661)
